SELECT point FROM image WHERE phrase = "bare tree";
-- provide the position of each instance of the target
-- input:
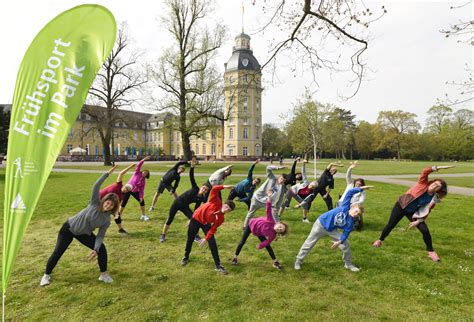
(318, 32)
(192, 86)
(114, 87)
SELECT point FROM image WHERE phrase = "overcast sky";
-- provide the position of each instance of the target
(411, 59)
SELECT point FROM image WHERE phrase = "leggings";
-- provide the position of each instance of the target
(65, 238)
(135, 195)
(233, 194)
(246, 235)
(175, 207)
(397, 214)
(193, 229)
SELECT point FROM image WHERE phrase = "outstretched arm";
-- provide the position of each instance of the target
(139, 164)
(349, 172)
(176, 166)
(250, 173)
(95, 197)
(124, 172)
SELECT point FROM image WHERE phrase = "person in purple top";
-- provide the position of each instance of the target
(137, 182)
(263, 228)
(327, 224)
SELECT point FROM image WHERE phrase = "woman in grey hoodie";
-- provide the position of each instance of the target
(81, 226)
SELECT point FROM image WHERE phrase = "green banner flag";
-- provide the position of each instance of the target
(52, 84)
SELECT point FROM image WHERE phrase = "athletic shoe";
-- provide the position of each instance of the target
(352, 267)
(122, 231)
(434, 256)
(377, 243)
(197, 239)
(297, 265)
(234, 261)
(184, 261)
(105, 278)
(277, 265)
(306, 221)
(151, 208)
(221, 269)
(144, 218)
(45, 280)
(288, 207)
(162, 238)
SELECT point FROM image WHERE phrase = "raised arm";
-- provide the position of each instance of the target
(293, 168)
(95, 197)
(349, 172)
(214, 178)
(250, 173)
(191, 177)
(139, 164)
(176, 166)
(124, 172)
(214, 195)
(346, 203)
(268, 209)
(303, 171)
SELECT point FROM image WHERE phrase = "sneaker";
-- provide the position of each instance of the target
(45, 280)
(122, 231)
(162, 238)
(221, 269)
(234, 261)
(306, 221)
(277, 265)
(431, 255)
(197, 239)
(105, 278)
(144, 218)
(297, 265)
(184, 261)
(377, 243)
(151, 208)
(352, 267)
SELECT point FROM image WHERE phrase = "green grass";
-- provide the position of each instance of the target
(397, 282)
(364, 168)
(467, 182)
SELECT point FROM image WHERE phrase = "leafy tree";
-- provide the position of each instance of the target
(439, 116)
(274, 140)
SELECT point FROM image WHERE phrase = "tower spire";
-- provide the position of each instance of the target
(242, 17)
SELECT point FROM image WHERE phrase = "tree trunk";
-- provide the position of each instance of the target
(315, 147)
(398, 151)
(187, 154)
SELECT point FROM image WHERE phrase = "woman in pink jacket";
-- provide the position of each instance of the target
(137, 182)
(263, 228)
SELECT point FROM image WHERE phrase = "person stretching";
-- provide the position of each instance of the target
(341, 217)
(422, 196)
(244, 189)
(300, 192)
(259, 198)
(263, 227)
(194, 195)
(81, 227)
(137, 182)
(358, 197)
(119, 190)
(212, 212)
(166, 182)
(326, 184)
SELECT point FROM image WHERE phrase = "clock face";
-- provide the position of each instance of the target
(245, 62)
(231, 79)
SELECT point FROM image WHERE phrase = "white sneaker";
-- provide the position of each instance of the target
(306, 221)
(352, 267)
(144, 218)
(151, 208)
(297, 265)
(45, 280)
(105, 278)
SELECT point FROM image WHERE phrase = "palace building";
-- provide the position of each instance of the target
(136, 133)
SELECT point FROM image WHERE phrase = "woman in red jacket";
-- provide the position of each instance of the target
(423, 195)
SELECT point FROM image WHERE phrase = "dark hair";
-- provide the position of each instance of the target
(147, 173)
(286, 229)
(258, 180)
(443, 191)
(285, 176)
(362, 181)
(229, 172)
(231, 204)
(112, 197)
(298, 176)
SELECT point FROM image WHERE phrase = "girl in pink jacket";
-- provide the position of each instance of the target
(263, 228)
(137, 183)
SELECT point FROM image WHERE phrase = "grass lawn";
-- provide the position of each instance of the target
(397, 281)
(467, 182)
(365, 167)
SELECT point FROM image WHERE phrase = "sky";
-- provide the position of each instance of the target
(411, 61)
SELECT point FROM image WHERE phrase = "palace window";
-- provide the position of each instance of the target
(246, 120)
(213, 134)
(245, 103)
(69, 148)
(204, 148)
(246, 133)
(245, 151)
(231, 133)
(213, 149)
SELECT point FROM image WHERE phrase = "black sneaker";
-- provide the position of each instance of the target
(277, 265)
(162, 238)
(184, 261)
(234, 261)
(122, 231)
(221, 269)
(197, 239)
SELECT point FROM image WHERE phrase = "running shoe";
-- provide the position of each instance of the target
(45, 280)
(162, 238)
(377, 243)
(297, 265)
(106, 278)
(151, 208)
(144, 218)
(277, 265)
(221, 269)
(184, 261)
(122, 231)
(234, 261)
(306, 221)
(197, 239)
(352, 267)
(434, 256)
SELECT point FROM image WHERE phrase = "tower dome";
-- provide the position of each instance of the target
(242, 56)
